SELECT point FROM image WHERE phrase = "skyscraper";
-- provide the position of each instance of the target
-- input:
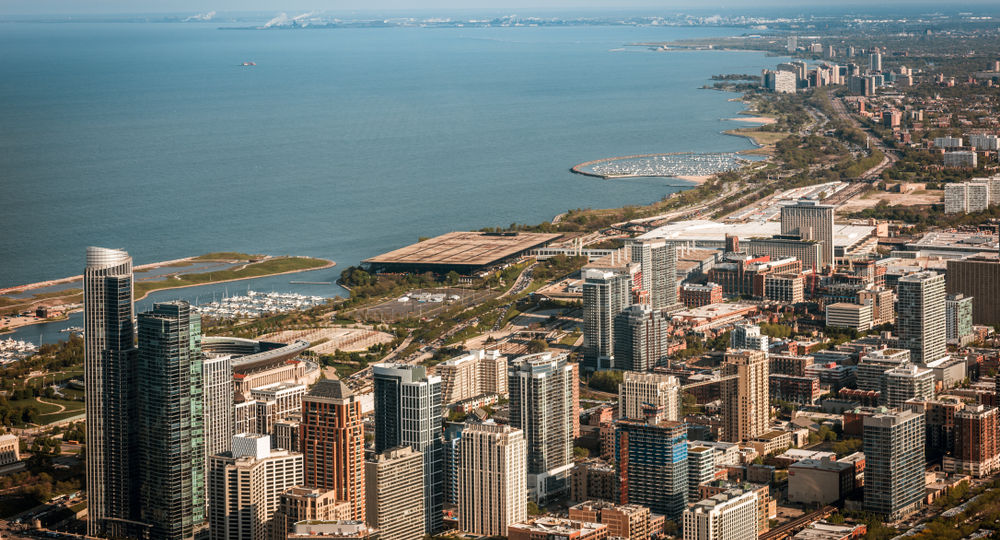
(492, 482)
(921, 321)
(333, 442)
(658, 261)
(811, 221)
(408, 413)
(894, 463)
(541, 406)
(217, 375)
(640, 339)
(394, 489)
(171, 432)
(109, 358)
(245, 488)
(653, 465)
(978, 277)
(638, 390)
(745, 399)
(605, 294)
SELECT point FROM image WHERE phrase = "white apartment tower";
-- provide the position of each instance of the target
(245, 487)
(637, 390)
(473, 374)
(605, 295)
(492, 479)
(921, 320)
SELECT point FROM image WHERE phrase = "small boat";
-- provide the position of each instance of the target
(248, 64)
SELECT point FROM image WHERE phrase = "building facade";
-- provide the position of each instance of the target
(653, 465)
(639, 390)
(894, 463)
(811, 221)
(731, 515)
(541, 392)
(605, 295)
(333, 442)
(109, 357)
(921, 321)
(245, 487)
(408, 413)
(492, 479)
(217, 376)
(171, 431)
(394, 488)
(745, 395)
(641, 339)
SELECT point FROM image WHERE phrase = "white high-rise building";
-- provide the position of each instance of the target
(905, 383)
(605, 295)
(245, 487)
(492, 479)
(748, 336)
(921, 321)
(217, 375)
(541, 404)
(473, 374)
(108, 364)
(658, 262)
(637, 390)
(967, 197)
(731, 515)
(394, 493)
(984, 142)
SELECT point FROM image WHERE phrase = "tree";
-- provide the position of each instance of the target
(581, 452)
(537, 346)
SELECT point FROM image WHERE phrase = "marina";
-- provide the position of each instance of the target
(255, 304)
(13, 349)
(666, 165)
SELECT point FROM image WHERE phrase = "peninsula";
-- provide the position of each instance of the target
(55, 299)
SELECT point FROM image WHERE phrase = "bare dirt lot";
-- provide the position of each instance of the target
(871, 199)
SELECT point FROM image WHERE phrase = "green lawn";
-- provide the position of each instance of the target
(225, 256)
(276, 265)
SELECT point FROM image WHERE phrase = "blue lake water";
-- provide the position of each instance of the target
(339, 144)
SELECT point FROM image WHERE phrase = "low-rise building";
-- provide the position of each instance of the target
(329, 530)
(551, 528)
(10, 451)
(845, 315)
(625, 521)
(821, 482)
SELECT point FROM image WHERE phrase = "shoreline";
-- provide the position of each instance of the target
(12, 328)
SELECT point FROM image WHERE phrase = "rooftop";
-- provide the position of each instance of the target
(707, 231)
(463, 249)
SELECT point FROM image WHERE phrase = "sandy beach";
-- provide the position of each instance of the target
(764, 120)
(696, 179)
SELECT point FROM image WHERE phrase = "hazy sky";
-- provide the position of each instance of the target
(200, 6)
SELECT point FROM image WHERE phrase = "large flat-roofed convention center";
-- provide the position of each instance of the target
(464, 252)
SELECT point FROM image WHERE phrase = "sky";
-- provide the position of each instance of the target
(33, 7)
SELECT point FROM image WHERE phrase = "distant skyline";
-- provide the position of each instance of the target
(105, 7)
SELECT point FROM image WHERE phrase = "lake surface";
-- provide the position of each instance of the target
(339, 144)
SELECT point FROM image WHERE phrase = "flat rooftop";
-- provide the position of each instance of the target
(956, 242)
(462, 249)
(705, 232)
